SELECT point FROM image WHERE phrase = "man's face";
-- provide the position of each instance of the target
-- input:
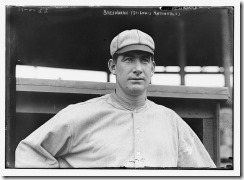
(134, 70)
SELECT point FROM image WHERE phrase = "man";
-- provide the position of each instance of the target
(122, 129)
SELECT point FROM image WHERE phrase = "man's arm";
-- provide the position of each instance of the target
(43, 146)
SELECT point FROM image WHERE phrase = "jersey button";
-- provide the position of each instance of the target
(138, 153)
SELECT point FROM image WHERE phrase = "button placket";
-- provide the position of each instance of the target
(138, 140)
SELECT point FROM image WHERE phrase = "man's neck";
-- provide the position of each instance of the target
(130, 101)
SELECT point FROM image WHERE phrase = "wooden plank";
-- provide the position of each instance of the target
(195, 112)
(83, 87)
(28, 102)
(54, 89)
(38, 107)
(53, 108)
(188, 108)
(187, 95)
(43, 103)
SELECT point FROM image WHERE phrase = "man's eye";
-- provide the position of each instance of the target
(128, 59)
(145, 60)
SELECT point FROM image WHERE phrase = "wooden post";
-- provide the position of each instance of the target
(182, 51)
(10, 93)
(217, 136)
(227, 45)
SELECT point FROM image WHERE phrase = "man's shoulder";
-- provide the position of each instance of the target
(88, 103)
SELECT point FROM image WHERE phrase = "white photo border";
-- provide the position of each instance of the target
(123, 172)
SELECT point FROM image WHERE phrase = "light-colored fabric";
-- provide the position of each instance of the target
(102, 132)
(130, 40)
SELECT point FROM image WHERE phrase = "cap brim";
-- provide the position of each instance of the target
(135, 47)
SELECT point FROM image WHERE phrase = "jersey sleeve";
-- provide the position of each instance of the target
(191, 151)
(42, 148)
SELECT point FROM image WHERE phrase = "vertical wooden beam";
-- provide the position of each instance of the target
(10, 92)
(227, 43)
(217, 136)
(182, 51)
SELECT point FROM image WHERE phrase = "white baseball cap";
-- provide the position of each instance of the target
(130, 40)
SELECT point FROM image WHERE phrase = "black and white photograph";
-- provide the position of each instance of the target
(144, 89)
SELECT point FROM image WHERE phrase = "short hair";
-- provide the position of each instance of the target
(115, 57)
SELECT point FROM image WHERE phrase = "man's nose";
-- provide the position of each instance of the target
(137, 67)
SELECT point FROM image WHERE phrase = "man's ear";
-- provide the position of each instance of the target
(112, 66)
(153, 68)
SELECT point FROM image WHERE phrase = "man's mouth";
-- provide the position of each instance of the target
(136, 79)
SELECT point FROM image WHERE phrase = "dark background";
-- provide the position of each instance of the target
(79, 37)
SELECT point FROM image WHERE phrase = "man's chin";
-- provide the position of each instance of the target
(137, 90)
